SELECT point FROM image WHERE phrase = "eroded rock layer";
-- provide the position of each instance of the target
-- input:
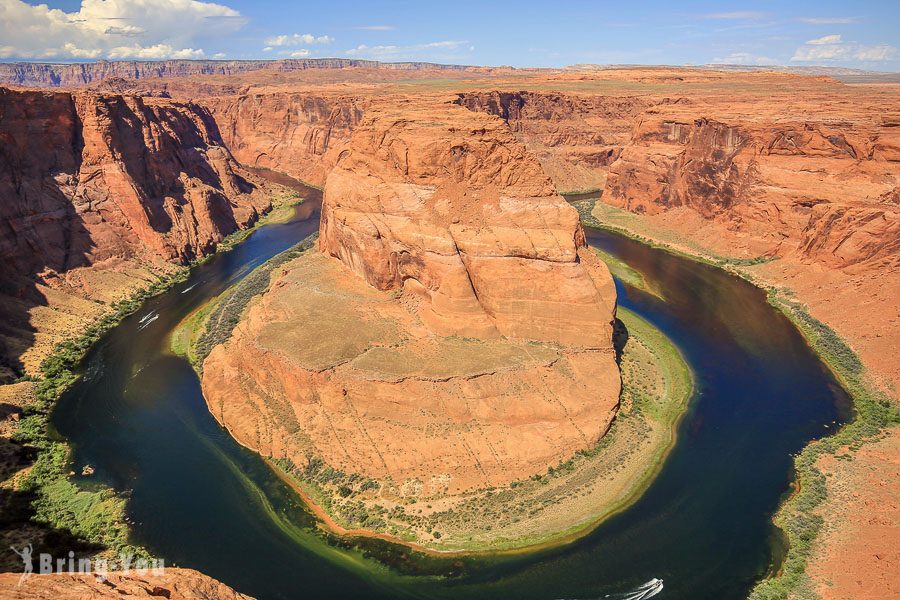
(449, 204)
(107, 182)
(295, 133)
(463, 337)
(818, 189)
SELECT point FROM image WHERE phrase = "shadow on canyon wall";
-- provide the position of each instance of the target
(87, 178)
(40, 229)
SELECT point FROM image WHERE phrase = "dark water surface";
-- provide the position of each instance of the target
(201, 501)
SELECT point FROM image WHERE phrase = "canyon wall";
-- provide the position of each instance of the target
(575, 136)
(80, 74)
(820, 185)
(106, 183)
(458, 208)
(824, 191)
(297, 133)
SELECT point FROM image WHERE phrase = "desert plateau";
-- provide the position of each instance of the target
(298, 321)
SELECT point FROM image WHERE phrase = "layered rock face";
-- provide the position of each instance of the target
(100, 182)
(821, 190)
(139, 177)
(576, 137)
(454, 333)
(300, 134)
(458, 210)
(820, 183)
(70, 75)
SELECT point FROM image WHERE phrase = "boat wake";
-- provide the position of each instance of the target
(186, 290)
(148, 321)
(641, 592)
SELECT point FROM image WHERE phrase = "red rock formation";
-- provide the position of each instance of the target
(137, 176)
(575, 136)
(300, 134)
(88, 179)
(462, 340)
(804, 187)
(449, 202)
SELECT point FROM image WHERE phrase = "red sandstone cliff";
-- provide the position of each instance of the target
(575, 136)
(817, 183)
(300, 134)
(818, 189)
(451, 202)
(98, 181)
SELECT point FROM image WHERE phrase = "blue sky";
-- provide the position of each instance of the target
(862, 34)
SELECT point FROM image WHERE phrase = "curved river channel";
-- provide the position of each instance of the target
(704, 525)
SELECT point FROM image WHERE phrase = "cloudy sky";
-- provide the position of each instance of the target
(860, 34)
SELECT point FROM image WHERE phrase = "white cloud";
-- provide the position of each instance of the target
(113, 28)
(301, 53)
(822, 41)
(875, 53)
(155, 52)
(829, 20)
(744, 58)
(298, 39)
(834, 48)
(416, 51)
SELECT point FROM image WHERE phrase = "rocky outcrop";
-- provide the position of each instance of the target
(806, 188)
(300, 134)
(462, 334)
(139, 177)
(79, 74)
(575, 136)
(811, 186)
(174, 584)
(95, 181)
(457, 209)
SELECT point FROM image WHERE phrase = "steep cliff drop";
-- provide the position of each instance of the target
(462, 339)
(301, 134)
(765, 171)
(101, 194)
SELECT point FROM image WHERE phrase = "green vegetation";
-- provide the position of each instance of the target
(94, 514)
(624, 222)
(627, 274)
(282, 211)
(873, 413)
(213, 323)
